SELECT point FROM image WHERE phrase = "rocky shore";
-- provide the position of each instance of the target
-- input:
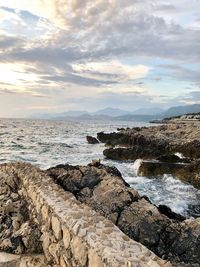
(70, 225)
(157, 146)
(89, 216)
(102, 188)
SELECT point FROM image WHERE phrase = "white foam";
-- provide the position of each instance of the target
(136, 166)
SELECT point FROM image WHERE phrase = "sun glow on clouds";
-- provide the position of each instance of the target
(15, 74)
(112, 70)
(108, 51)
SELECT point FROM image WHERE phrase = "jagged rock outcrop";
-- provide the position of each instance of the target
(151, 142)
(188, 172)
(73, 234)
(104, 189)
(92, 140)
(159, 143)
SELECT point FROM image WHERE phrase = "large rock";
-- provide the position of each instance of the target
(92, 140)
(104, 189)
(188, 172)
(155, 168)
(155, 141)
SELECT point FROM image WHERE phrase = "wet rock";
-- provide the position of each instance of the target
(165, 139)
(135, 152)
(92, 140)
(156, 168)
(190, 173)
(170, 158)
(170, 214)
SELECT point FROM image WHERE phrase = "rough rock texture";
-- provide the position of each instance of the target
(73, 234)
(103, 189)
(10, 260)
(155, 168)
(188, 172)
(18, 233)
(149, 142)
(92, 140)
(160, 143)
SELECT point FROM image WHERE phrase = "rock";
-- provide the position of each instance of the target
(170, 159)
(170, 214)
(155, 141)
(103, 189)
(18, 233)
(156, 168)
(92, 140)
(188, 172)
(135, 152)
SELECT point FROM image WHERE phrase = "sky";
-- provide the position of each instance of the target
(59, 55)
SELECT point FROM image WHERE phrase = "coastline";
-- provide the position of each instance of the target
(103, 190)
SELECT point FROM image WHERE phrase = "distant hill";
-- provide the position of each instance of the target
(143, 114)
(148, 111)
(181, 110)
(112, 112)
(136, 117)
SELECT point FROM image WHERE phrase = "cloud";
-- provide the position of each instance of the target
(114, 49)
(182, 73)
(112, 70)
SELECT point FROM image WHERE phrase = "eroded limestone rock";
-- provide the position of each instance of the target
(18, 233)
(104, 189)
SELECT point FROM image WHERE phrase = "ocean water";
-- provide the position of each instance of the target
(49, 143)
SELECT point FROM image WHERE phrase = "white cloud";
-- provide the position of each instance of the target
(112, 70)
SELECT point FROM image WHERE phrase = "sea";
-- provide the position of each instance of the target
(47, 143)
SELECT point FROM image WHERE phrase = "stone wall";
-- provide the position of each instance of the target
(74, 235)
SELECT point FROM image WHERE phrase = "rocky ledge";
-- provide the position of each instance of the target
(159, 143)
(102, 188)
(19, 234)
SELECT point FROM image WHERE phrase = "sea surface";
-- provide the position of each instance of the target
(49, 143)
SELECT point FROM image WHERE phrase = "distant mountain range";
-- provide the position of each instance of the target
(143, 114)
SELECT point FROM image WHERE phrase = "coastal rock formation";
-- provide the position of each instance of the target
(92, 140)
(158, 146)
(18, 233)
(73, 234)
(188, 172)
(104, 190)
(151, 142)
(154, 168)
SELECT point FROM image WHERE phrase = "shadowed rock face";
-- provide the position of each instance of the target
(151, 142)
(91, 140)
(188, 172)
(160, 143)
(103, 189)
(18, 233)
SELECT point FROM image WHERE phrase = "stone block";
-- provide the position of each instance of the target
(79, 250)
(56, 227)
(94, 259)
(66, 237)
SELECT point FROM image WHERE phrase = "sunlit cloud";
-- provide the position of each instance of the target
(111, 70)
(69, 53)
(14, 74)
